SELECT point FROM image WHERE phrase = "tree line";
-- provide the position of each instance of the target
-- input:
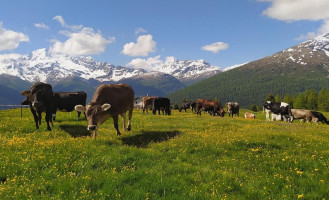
(309, 99)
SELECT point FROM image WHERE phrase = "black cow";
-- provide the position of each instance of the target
(233, 108)
(321, 117)
(40, 99)
(163, 104)
(66, 101)
(187, 104)
(281, 108)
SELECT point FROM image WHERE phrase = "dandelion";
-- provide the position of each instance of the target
(299, 172)
(300, 196)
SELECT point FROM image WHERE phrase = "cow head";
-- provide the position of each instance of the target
(38, 96)
(96, 114)
(268, 105)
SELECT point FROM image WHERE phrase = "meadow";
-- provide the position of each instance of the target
(182, 156)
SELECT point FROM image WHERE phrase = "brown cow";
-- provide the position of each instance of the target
(249, 116)
(109, 100)
(209, 105)
(304, 115)
(147, 102)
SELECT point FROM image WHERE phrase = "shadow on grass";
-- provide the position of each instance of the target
(76, 130)
(147, 137)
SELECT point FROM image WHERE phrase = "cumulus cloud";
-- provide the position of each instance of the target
(142, 47)
(83, 42)
(41, 25)
(10, 40)
(294, 10)
(215, 47)
(140, 30)
(147, 64)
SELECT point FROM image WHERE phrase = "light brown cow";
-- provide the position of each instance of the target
(147, 102)
(304, 115)
(109, 100)
(249, 116)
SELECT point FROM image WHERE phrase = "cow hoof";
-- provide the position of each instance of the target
(118, 133)
(129, 128)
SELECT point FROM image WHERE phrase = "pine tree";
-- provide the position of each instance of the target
(300, 101)
(323, 100)
(270, 97)
(312, 100)
(277, 98)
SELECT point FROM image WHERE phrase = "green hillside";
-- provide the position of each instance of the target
(251, 83)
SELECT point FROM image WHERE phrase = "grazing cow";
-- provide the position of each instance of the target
(249, 116)
(321, 117)
(215, 107)
(163, 104)
(233, 108)
(109, 100)
(40, 99)
(279, 108)
(304, 115)
(187, 104)
(66, 101)
(147, 102)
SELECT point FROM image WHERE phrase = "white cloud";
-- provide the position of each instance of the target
(83, 42)
(10, 40)
(308, 36)
(41, 25)
(147, 64)
(294, 10)
(215, 47)
(143, 47)
(60, 19)
(140, 30)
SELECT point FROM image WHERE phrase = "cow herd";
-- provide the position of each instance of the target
(112, 100)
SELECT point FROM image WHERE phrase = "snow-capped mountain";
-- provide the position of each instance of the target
(188, 71)
(47, 66)
(314, 52)
(43, 65)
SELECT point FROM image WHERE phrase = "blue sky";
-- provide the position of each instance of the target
(145, 32)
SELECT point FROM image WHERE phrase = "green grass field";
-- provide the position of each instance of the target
(182, 156)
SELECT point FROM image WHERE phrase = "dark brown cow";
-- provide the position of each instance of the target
(211, 106)
(109, 100)
(147, 102)
(66, 101)
(40, 99)
(233, 108)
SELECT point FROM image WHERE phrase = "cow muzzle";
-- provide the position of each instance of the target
(92, 127)
(36, 104)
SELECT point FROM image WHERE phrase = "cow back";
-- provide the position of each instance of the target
(121, 97)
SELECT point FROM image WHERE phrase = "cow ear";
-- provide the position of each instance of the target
(106, 106)
(80, 108)
(25, 93)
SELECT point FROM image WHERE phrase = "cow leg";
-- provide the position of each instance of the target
(39, 118)
(123, 116)
(130, 114)
(48, 118)
(36, 119)
(79, 113)
(115, 120)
